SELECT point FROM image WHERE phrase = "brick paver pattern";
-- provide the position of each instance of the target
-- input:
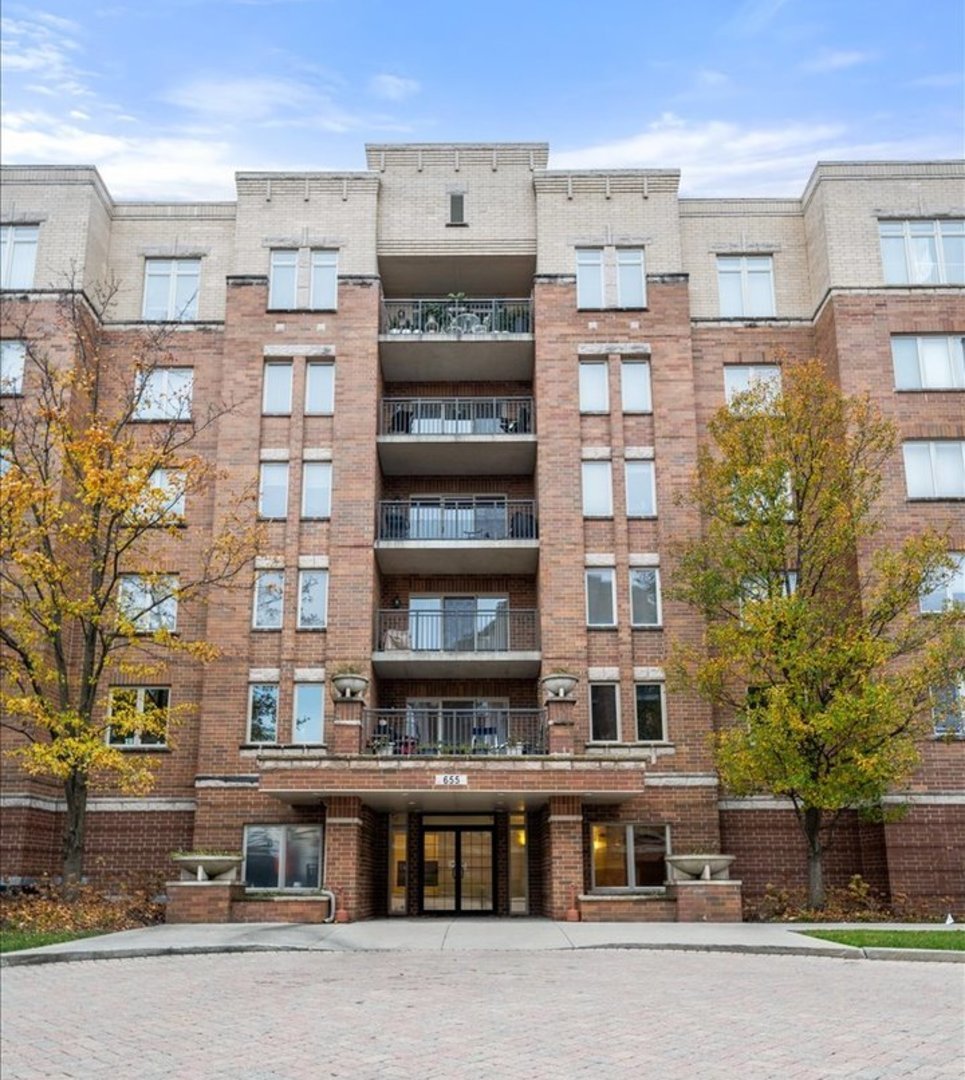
(541, 1016)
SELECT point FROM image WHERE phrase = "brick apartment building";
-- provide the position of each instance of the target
(469, 388)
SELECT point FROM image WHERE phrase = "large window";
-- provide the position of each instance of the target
(948, 710)
(645, 596)
(263, 712)
(269, 600)
(283, 856)
(641, 489)
(935, 470)
(604, 712)
(631, 279)
(273, 490)
(319, 389)
(171, 289)
(18, 255)
(650, 712)
(629, 856)
(150, 603)
(589, 277)
(597, 489)
(746, 286)
(316, 489)
(594, 391)
(164, 393)
(739, 378)
(635, 386)
(928, 363)
(923, 252)
(600, 597)
(13, 355)
(130, 706)
(324, 281)
(282, 280)
(164, 504)
(309, 715)
(949, 589)
(312, 599)
(277, 391)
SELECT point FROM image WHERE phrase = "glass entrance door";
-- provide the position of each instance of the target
(457, 870)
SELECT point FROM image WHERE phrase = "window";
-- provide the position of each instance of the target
(948, 710)
(754, 589)
(629, 856)
(150, 603)
(18, 255)
(324, 282)
(935, 470)
(269, 600)
(631, 279)
(312, 599)
(263, 712)
(13, 356)
(319, 389)
(950, 589)
(457, 208)
(589, 277)
(650, 712)
(309, 716)
(171, 289)
(641, 489)
(645, 597)
(316, 489)
(604, 714)
(923, 252)
(746, 286)
(594, 389)
(928, 363)
(635, 386)
(169, 501)
(283, 856)
(600, 599)
(163, 393)
(597, 489)
(282, 278)
(273, 490)
(277, 392)
(739, 378)
(129, 706)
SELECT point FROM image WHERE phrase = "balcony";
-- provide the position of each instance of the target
(457, 436)
(458, 534)
(429, 732)
(446, 339)
(457, 637)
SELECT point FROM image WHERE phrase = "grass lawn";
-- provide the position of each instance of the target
(14, 940)
(895, 939)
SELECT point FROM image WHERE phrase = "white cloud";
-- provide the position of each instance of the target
(837, 60)
(939, 81)
(44, 45)
(393, 87)
(754, 15)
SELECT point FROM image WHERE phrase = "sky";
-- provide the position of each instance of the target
(168, 98)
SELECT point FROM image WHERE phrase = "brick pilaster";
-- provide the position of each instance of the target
(347, 726)
(343, 851)
(565, 861)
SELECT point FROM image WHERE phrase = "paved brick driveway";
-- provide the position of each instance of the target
(540, 1016)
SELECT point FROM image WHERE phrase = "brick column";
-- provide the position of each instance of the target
(565, 857)
(347, 726)
(343, 853)
(559, 719)
(202, 901)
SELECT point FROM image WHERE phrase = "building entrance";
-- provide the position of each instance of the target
(458, 871)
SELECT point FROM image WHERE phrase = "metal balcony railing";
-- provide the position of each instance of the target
(466, 317)
(463, 625)
(458, 518)
(428, 731)
(457, 416)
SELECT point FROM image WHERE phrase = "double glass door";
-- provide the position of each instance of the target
(457, 869)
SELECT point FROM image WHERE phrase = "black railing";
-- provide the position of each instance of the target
(458, 518)
(457, 416)
(464, 625)
(430, 731)
(459, 317)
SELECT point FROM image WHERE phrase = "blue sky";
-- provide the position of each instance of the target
(169, 97)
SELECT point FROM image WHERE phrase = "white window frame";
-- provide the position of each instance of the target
(629, 846)
(172, 482)
(282, 261)
(656, 579)
(282, 832)
(615, 687)
(303, 576)
(744, 271)
(159, 402)
(907, 231)
(309, 467)
(273, 379)
(14, 238)
(603, 484)
(265, 469)
(252, 688)
(936, 600)
(457, 208)
(589, 261)
(323, 291)
(932, 493)
(640, 367)
(662, 738)
(13, 363)
(601, 570)
(641, 467)
(589, 389)
(298, 685)
(177, 268)
(946, 731)
(313, 366)
(134, 740)
(954, 350)
(161, 614)
(267, 581)
(756, 375)
(631, 259)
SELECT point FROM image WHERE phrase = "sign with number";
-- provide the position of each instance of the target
(452, 780)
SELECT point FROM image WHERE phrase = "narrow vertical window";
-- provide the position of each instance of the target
(457, 208)
(309, 715)
(650, 712)
(324, 283)
(312, 599)
(273, 490)
(600, 597)
(263, 713)
(597, 489)
(604, 714)
(645, 597)
(641, 489)
(631, 279)
(635, 386)
(319, 389)
(277, 391)
(269, 600)
(589, 277)
(13, 355)
(282, 280)
(316, 489)
(594, 387)
(18, 255)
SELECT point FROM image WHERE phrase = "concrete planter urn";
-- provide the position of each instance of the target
(198, 867)
(348, 686)
(558, 684)
(700, 867)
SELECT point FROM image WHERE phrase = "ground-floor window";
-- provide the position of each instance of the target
(629, 856)
(283, 856)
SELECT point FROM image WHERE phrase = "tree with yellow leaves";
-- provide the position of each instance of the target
(817, 656)
(91, 520)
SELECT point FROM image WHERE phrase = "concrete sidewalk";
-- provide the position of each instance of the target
(454, 935)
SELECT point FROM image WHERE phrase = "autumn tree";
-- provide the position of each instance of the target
(91, 523)
(816, 655)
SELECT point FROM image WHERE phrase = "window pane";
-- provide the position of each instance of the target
(324, 281)
(277, 397)
(263, 711)
(729, 288)
(312, 599)
(893, 258)
(12, 360)
(630, 279)
(644, 599)
(309, 702)
(949, 470)
(603, 713)
(186, 290)
(319, 388)
(303, 856)
(18, 256)
(649, 852)
(641, 498)
(597, 489)
(273, 490)
(282, 279)
(262, 856)
(456, 209)
(918, 478)
(589, 278)
(935, 361)
(649, 712)
(953, 248)
(156, 289)
(760, 295)
(924, 260)
(635, 387)
(269, 599)
(316, 489)
(594, 391)
(737, 379)
(904, 355)
(599, 597)
(609, 844)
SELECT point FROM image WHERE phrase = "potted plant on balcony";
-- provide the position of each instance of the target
(348, 682)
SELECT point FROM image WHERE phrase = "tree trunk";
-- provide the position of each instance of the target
(75, 790)
(812, 832)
